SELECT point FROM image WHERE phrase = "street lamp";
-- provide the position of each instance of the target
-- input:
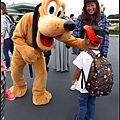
(6, 3)
(102, 8)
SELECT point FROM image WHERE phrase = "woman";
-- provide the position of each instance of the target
(5, 26)
(61, 57)
(61, 54)
(92, 15)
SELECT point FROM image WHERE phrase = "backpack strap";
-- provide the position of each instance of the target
(8, 18)
(83, 78)
(8, 21)
(90, 52)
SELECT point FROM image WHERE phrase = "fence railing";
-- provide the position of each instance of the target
(113, 22)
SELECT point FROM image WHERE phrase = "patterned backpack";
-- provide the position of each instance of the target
(100, 78)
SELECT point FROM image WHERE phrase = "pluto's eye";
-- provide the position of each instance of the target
(59, 11)
(51, 7)
(51, 10)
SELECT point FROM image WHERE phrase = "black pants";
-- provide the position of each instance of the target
(47, 55)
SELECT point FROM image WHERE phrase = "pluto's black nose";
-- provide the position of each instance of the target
(69, 25)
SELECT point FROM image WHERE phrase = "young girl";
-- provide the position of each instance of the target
(8, 94)
(86, 102)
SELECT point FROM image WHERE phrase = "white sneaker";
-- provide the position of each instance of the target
(73, 87)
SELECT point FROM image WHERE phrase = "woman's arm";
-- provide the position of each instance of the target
(105, 43)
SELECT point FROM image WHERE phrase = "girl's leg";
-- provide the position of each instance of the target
(6, 48)
(82, 105)
(91, 107)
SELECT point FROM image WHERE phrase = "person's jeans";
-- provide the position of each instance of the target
(86, 106)
(8, 45)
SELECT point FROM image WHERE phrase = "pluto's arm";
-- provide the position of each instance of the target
(21, 33)
(76, 43)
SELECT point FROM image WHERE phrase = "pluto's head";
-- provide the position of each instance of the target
(48, 25)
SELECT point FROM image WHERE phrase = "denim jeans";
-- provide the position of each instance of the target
(86, 106)
(8, 45)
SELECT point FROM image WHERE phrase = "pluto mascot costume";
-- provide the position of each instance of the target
(34, 34)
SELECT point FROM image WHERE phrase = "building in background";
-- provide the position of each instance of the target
(19, 9)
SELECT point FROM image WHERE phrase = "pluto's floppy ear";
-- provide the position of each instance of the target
(34, 33)
(34, 27)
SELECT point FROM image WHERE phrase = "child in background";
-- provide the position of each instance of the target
(8, 94)
(86, 102)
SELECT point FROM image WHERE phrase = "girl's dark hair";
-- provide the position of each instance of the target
(3, 8)
(87, 17)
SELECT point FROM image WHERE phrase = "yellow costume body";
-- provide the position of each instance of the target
(49, 26)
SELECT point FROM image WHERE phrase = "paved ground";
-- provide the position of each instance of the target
(63, 105)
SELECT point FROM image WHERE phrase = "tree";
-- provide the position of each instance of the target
(114, 16)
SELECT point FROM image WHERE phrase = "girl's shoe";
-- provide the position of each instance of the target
(73, 87)
(8, 69)
(9, 95)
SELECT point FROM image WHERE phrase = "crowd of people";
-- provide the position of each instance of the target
(91, 15)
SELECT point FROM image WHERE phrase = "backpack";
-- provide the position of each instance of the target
(100, 78)
(12, 26)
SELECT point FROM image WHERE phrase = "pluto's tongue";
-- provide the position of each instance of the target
(46, 41)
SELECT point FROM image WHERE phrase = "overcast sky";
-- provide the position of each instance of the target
(75, 6)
